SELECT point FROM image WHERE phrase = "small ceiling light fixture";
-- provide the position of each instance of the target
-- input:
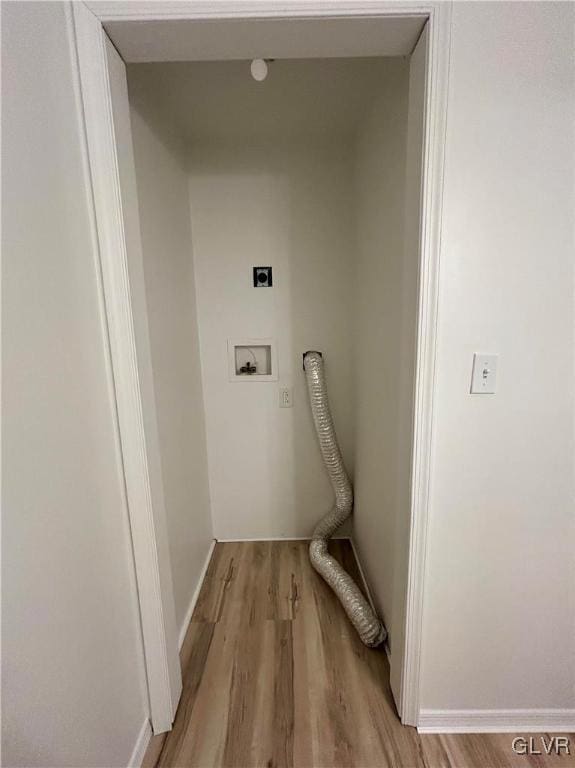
(259, 69)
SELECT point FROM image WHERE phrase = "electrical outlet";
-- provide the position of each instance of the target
(286, 397)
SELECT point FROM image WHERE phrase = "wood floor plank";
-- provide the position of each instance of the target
(275, 676)
(154, 750)
(285, 579)
(204, 727)
(252, 645)
(261, 738)
(217, 582)
(199, 639)
(284, 705)
(473, 750)
(320, 632)
(251, 594)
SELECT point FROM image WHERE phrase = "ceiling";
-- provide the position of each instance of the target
(219, 101)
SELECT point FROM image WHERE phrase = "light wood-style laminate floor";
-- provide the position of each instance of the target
(274, 675)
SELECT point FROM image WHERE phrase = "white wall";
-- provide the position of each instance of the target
(499, 603)
(289, 207)
(73, 681)
(378, 344)
(171, 302)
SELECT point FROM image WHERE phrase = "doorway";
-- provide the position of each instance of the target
(202, 45)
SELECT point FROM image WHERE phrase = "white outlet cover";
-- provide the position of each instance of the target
(484, 376)
(286, 397)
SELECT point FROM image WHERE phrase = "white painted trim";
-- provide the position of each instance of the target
(104, 323)
(432, 198)
(496, 721)
(275, 538)
(150, 10)
(439, 20)
(141, 745)
(194, 600)
(368, 593)
(362, 574)
(153, 577)
(387, 649)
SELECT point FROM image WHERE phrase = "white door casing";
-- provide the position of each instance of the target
(108, 131)
(106, 115)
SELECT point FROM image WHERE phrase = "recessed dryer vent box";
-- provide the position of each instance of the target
(262, 277)
(252, 360)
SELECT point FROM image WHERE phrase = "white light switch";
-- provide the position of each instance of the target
(484, 377)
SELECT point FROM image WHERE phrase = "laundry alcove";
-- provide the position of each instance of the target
(304, 172)
(264, 219)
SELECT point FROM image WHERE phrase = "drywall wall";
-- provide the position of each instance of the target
(273, 186)
(290, 207)
(73, 681)
(300, 100)
(499, 602)
(384, 286)
(171, 303)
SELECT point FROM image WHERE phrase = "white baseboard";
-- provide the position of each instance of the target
(496, 721)
(368, 593)
(274, 538)
(194, 600)
(387, 649)
(362, 574)
(141, 745)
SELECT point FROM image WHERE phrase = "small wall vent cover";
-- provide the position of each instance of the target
(252, 360)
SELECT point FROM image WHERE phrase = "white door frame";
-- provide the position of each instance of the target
(103, 86)
(139, 443)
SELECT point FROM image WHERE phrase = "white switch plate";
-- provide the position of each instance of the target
(484, 376)
(286, 397)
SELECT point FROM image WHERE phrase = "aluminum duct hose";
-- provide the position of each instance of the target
(368, 626)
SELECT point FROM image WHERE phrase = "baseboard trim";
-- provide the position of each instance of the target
(387, 649)
(141, 745)
(194, 599)
(274, 538)
(368, 592)
(496, 720)
(362, 574)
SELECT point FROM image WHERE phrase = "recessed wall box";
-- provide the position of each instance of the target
(252, 360)
(262, 277)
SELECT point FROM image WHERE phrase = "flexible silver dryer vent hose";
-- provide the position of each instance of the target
(368, 626)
